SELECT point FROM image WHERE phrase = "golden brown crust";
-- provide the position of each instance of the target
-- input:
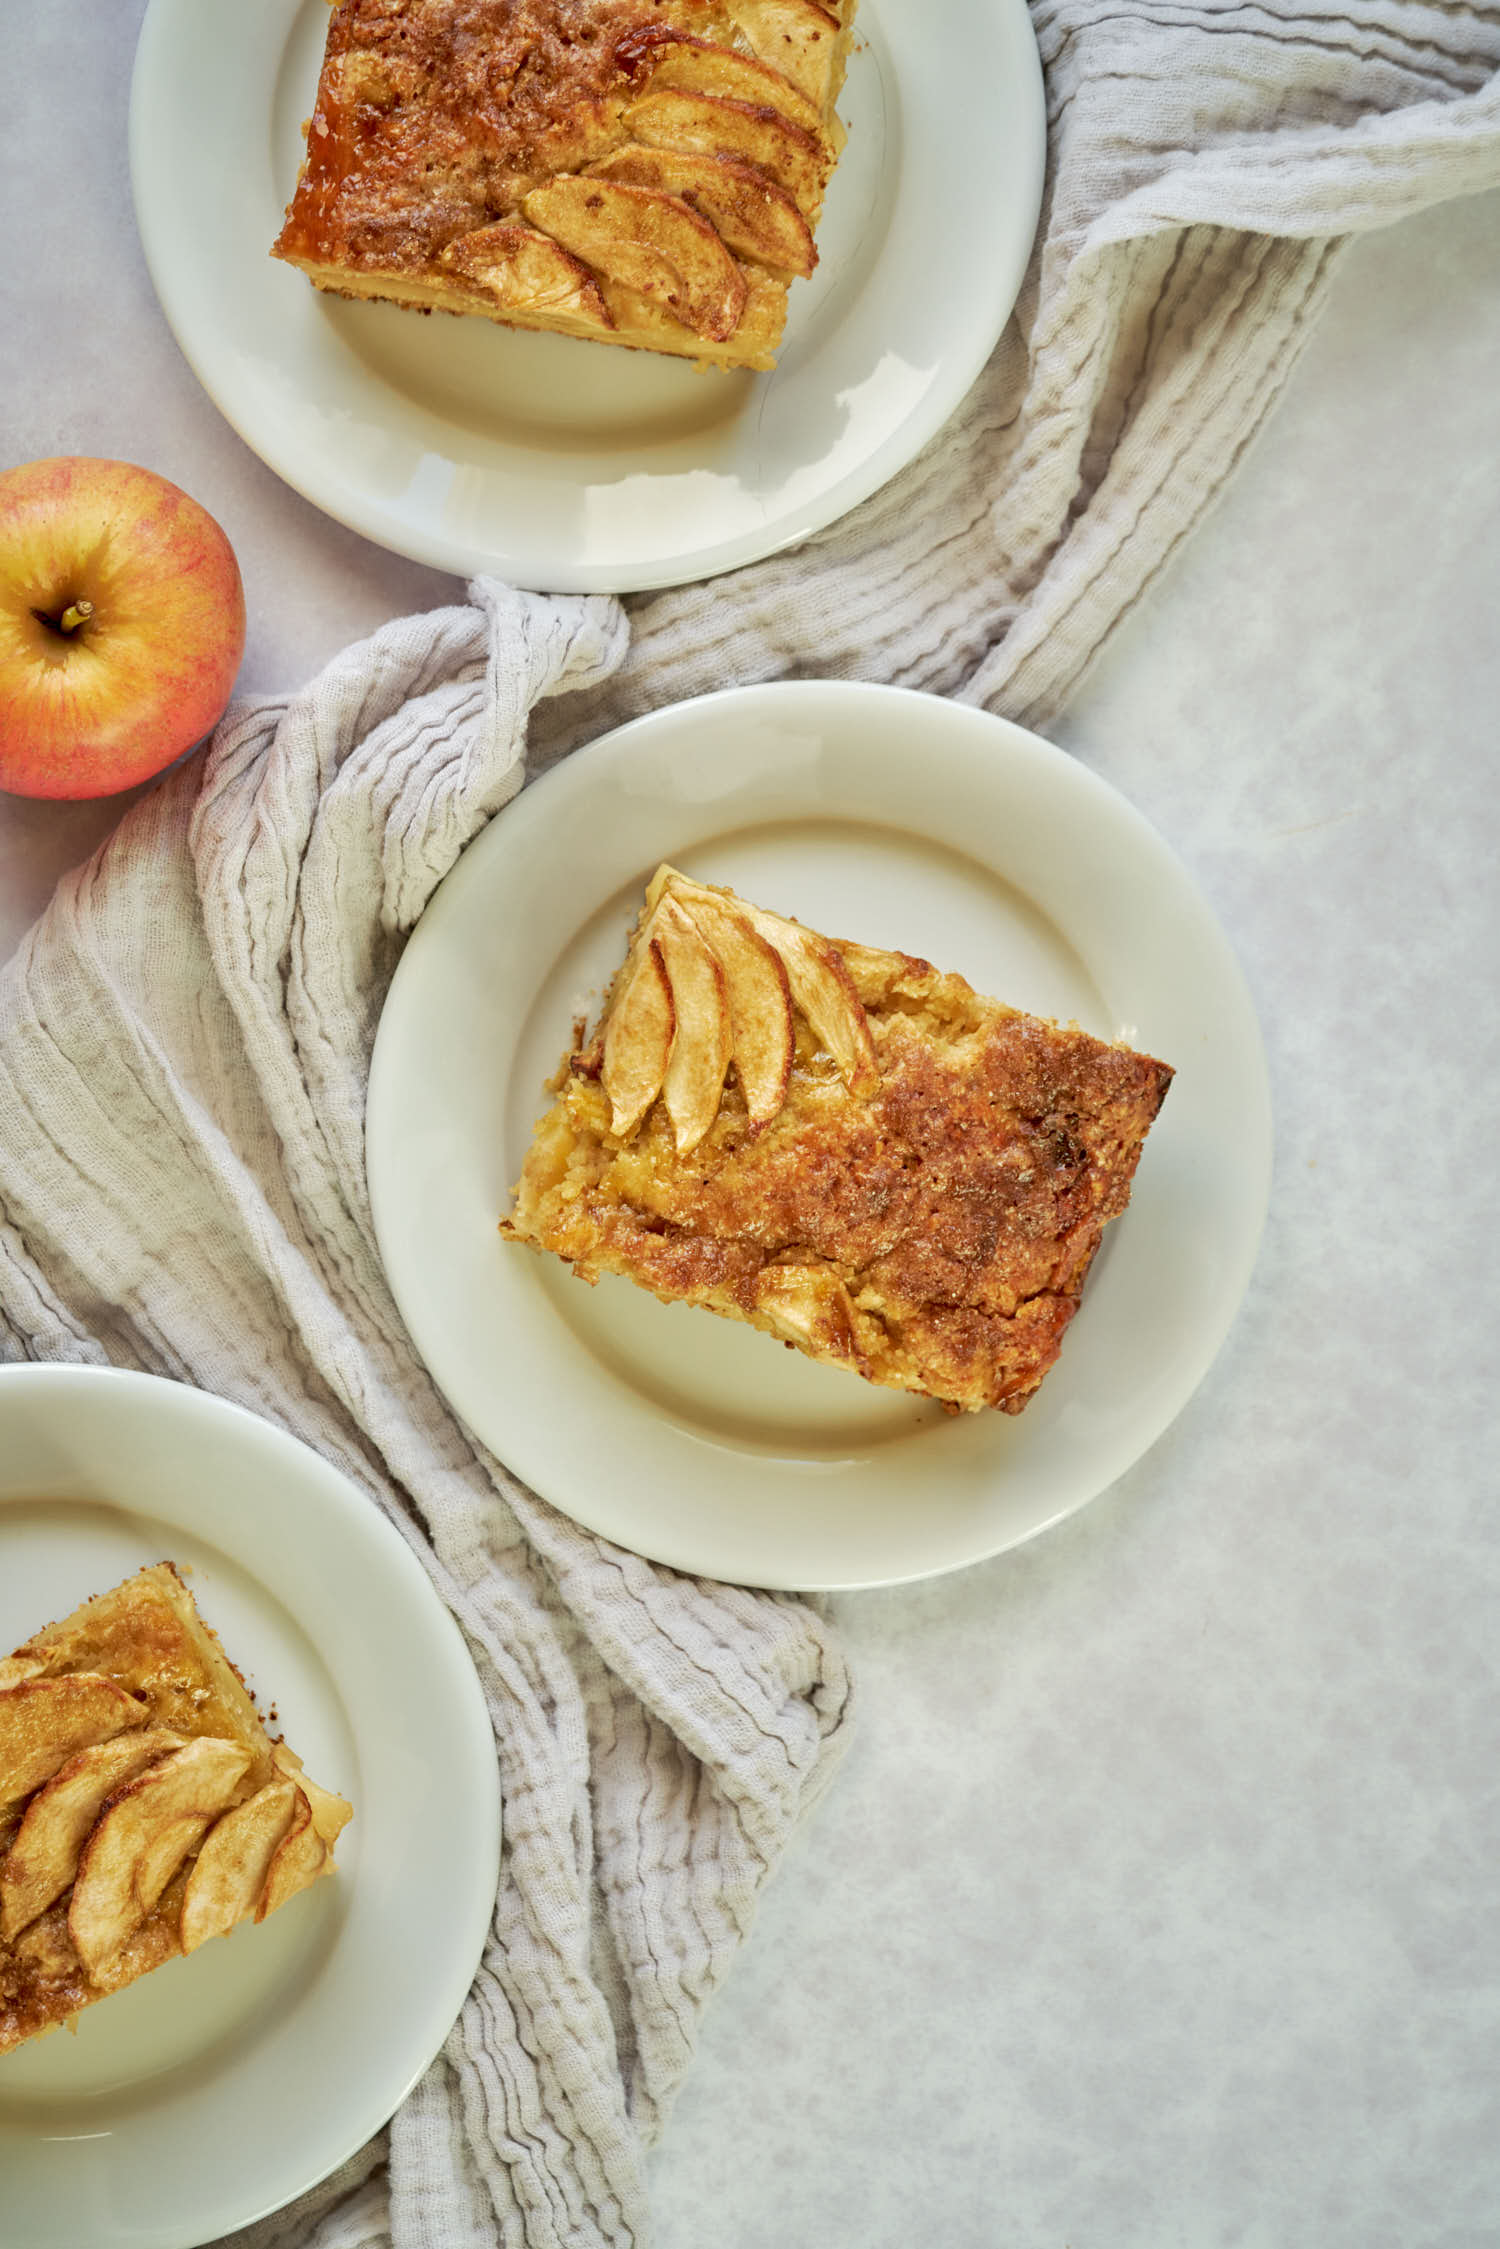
(933, 1233)
(98, 1852)
(148, 1637)
(438, 120)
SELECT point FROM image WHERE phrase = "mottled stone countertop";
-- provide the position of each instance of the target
(1157, 1904)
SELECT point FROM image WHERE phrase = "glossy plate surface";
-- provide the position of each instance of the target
(698, 1441)
(578, 467)
(221, 2086)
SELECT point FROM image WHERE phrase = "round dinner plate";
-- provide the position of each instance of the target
(906, 822)
(578, 467)
(221, 2086)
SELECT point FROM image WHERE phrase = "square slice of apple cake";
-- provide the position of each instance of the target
(143, 1806)
(639, 172)
(842, 1146)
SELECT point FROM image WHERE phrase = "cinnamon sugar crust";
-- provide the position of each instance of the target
(128, 1743)
(933, 1234)
(639, 172)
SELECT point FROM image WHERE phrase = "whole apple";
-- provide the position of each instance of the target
(122, 625)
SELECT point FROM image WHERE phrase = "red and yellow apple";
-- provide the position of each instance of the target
(122, 625)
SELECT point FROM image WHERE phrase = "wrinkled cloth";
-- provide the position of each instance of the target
(184, 1044)
(1207, 166)
(185, 1037)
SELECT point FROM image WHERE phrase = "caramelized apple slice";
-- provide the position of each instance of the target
(808, 1305)
(524, 271)
(702, 1045)
(799, 39)
(756, 218)
(331, 1814)
(229, 1873)
(826, 993)
(647, 326)
(298, 1859)
(304, 1847)
(656, 56)
(143, 1837)
(711, 126)
(722, 988)
(44, 1722)
(650, 242)
(638, 1038)
(762, 1031)
(43, 1856)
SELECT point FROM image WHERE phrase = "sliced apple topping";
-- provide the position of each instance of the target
(809, 1306)
(306, 1849)
(821, 985)
(229, 1873)
(145, 1833)
(826, 993)
(528, 272)
(755, 217)
(702, 1047)
(646, 326)
(331, 1814)
(763, 1035)
(44, 1722)
(711, 981)
(649, 242)
(796, 37)
(712, 126)
(638, 1037)
(44, 1854)
(297, 1861)
(655, 56)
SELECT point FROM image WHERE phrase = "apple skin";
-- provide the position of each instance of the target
(92, 704)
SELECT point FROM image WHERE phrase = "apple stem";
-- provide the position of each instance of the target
(67, 620)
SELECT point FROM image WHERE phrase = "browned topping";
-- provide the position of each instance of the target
(130, 1738)
(935, 1231)
(436, 120)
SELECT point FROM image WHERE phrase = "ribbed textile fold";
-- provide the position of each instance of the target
(184, 1045)
(1206, 165)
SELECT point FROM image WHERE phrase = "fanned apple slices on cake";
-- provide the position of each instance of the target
(639, 172)
(143, 1806)
(842, 1146)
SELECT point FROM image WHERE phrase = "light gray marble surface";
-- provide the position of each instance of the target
(1158, 1901)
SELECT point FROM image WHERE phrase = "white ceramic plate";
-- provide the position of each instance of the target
(572, 466)
(219, 2087)
(695, 1440)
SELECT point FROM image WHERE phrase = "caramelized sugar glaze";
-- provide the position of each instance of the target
(431, 122)
(921, 1205)
(692, 141)
(143, 1806)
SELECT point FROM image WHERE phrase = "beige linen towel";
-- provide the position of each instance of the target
(1207, 163)
(184, 1039)
(184, 1043)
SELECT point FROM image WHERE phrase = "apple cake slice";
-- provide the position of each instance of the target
(839, 1145)
(143, 1806)
(639, 172)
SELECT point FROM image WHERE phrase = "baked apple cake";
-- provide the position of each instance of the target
(143, 1806)
(841, 1146)
(640, 172)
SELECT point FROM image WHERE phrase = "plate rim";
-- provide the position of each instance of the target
(677, 564)
(332, 1494)
(532, 809)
